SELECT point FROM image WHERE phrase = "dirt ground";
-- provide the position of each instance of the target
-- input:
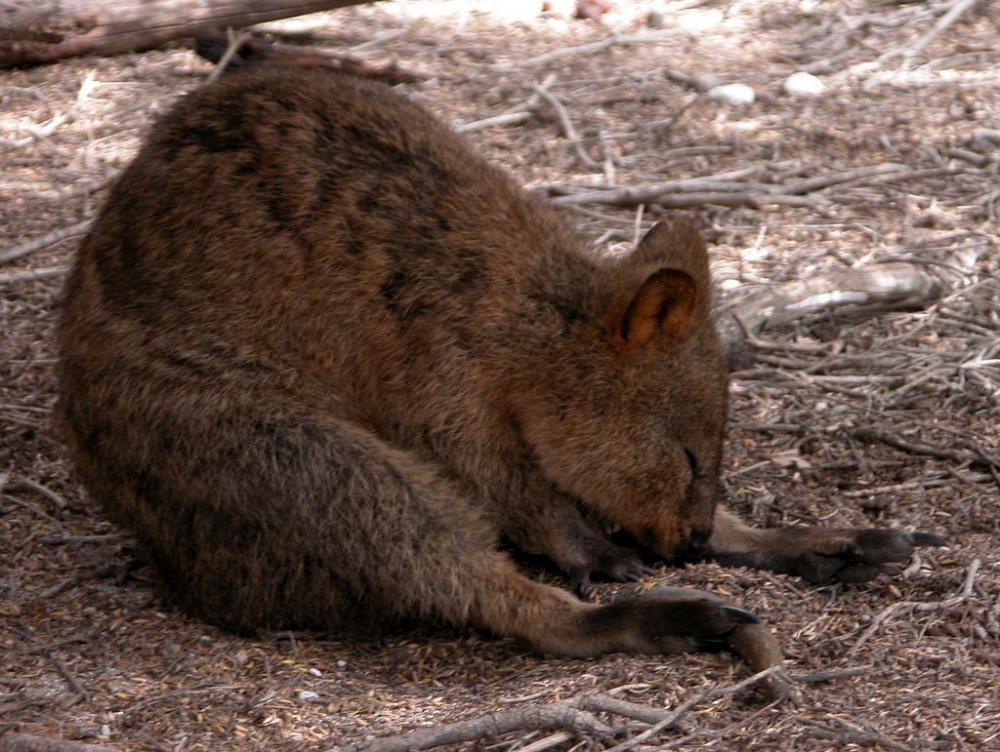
(862, 420)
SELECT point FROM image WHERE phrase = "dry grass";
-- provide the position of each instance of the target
(91, 652)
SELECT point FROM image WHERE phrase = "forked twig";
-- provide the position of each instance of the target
(574, 716)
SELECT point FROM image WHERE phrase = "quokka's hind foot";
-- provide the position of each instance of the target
(658, 622)
(670, 621)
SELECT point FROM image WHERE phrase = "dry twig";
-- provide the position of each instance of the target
(870, 434)
(574, 715)
(567, 125)
(56, 236)
(907, 607)
(25, 484)
(33, 274)
(958, 7)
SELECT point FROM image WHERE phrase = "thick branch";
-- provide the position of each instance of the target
(109, 27)
(575, 714)
(555, 715)
(879, 287)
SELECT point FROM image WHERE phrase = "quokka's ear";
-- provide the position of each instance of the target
(676, 244)
(671, 301)
(666, 305)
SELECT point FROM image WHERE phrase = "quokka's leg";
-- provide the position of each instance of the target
(816, 554)
(295, 519)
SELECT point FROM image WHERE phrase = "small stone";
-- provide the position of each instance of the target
(315, 672)
(341, 664)
(802, 84)
(307, 695)
(734, 94)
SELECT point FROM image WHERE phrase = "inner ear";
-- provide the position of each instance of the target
(665, 306)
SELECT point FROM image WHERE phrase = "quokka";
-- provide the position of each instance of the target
(322, 359)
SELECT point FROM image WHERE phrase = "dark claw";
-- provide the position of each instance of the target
(741, 615)
(927, 539)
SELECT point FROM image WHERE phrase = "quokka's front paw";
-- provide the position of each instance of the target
(608, 561)
(668, 620)
(852, 555)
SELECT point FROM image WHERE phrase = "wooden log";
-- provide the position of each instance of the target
(867, 291)
(874, 288)
(110, 27)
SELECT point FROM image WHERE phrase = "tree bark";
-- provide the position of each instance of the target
(110, 27)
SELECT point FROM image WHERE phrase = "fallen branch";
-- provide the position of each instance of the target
(908, 607)
(110, 27)
(567, 125)
(649, 193)
(79, 692)
(871, 435)
(684, 197)
(515, 115)
(60, 540)
(574, 715)
(565, 714)
(715, 191)
(100, 573)
(33, 274)
(958, 7)
(32, 246)
(880, 287)
(24, 484)
(830, 179)
(844, 732)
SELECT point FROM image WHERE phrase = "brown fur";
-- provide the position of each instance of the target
(321, 358)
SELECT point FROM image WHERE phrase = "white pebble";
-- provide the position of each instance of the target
(734, 94)
(804, 84)
(341, 664)
(315, 672)
(308, 696)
